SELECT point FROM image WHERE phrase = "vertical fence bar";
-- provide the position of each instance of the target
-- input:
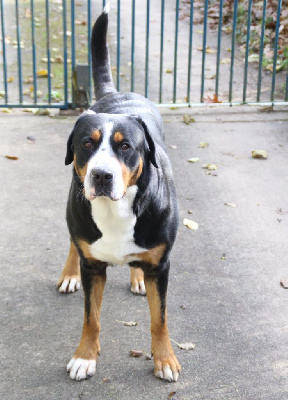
(175, 50)
(89, 48)
(4, 52)
(133, 47)
(161, 50)
(118, 45)
(233, 49)
(276, 50)
(219, 47)
(147, 50)
(48, 49)
(73, 46)
(261, 50)
(204, 50)
(19, 52)
(65, 54)
(247, 50)
(190, 51)
(34, 52)
(104, 3)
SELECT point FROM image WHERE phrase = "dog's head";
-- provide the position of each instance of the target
(109, 152)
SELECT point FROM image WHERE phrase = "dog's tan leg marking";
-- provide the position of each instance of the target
(166, 365)
(137, 281)
(69, 280)
(83, 363)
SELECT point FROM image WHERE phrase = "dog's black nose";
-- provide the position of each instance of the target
(101, 177)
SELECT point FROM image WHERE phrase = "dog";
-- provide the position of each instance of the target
(122, 209)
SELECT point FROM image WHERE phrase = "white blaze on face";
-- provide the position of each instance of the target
(104, 159)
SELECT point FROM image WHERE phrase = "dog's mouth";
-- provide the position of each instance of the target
(94, 194)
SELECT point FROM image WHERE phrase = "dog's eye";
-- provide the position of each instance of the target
(87, 144)
(125, 146)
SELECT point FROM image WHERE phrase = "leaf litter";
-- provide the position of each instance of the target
(190, 224)
(184, 346)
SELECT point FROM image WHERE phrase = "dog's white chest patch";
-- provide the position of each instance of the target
(116, 221)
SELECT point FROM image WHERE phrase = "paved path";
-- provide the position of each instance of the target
(234, 309)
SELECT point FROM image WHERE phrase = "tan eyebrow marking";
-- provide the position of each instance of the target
(95, 135)
(118, 137)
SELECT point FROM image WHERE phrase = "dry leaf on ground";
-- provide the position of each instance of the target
(187, 119)
(190, 224)
(11, 157)
(193, 160)
(284, 283)
(230, 205)
(136, 353)
(212, 100)
(184, 346)
(210, 167)
(127, 323)
(260, 154)
(203, 145)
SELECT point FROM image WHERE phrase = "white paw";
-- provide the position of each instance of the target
(81, 369)
(69, 285)
(167, 374)
(138, 287)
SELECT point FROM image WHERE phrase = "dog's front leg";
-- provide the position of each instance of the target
(166, 365)
(83, 363)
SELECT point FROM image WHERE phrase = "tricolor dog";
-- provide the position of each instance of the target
(122, 209)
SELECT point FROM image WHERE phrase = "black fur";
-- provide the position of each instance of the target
(155, 204)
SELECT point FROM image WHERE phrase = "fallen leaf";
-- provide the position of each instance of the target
(136, 353)
(284, 283)
(203, 145)
(31, 139)
(10, 79)
(212, 100)
(183, 306)
(187, 119)
(189, 211)
(11, 157)
(210, 167)
(230, 205)
(6, 110)
(41, 111)
(184, 346)
(2, 94)
(253, 58)
(59, 59)
(169, 71)
(173, 146)
(281, 212)
(260, 154)
(42, 73)
(190, 224)
(106, 380)
(225, 61)
(193, 160)
(148, 356)
(81, 23)
(129, 323)
(171, 395)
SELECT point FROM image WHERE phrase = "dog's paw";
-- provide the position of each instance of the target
(68, 284)
(137, 281)
(167, 370)
(79, 368)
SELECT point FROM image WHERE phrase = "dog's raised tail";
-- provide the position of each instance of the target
(103, 81)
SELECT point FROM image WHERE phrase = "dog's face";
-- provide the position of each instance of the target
(109, 153)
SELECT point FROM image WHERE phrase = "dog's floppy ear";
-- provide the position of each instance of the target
(150, 141)
(70, 149)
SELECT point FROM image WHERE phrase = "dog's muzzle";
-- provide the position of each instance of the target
(101, 181)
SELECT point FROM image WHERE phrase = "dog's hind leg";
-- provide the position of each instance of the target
(137, 281)
(69, 280)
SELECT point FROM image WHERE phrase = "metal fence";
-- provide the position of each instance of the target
(176, 52)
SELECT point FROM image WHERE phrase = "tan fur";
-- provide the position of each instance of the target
(118, 137)
(85, 249)
(136, 276)
(89, 346)
(152, 256)
(81, 172)
(95, 135)
(72, 266)
(161, 346)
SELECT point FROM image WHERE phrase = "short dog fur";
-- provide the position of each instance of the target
(122, 209)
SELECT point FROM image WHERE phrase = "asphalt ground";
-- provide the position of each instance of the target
(224, 290)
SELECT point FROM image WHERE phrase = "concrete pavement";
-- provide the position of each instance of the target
(224, 292)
